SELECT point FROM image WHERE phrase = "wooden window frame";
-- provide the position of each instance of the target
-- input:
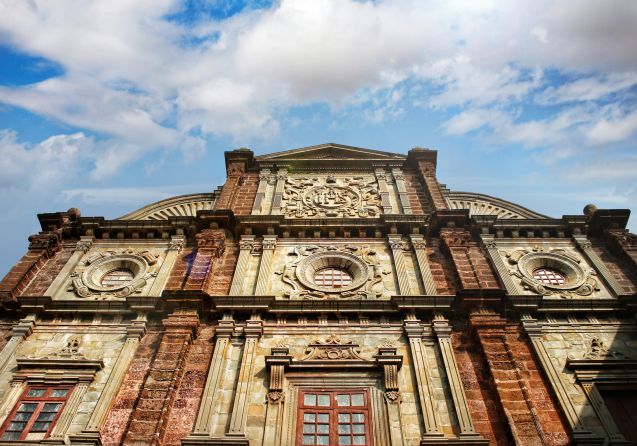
(40, 401)
(334, 410)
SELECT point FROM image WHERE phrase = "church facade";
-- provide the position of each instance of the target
(328, 295)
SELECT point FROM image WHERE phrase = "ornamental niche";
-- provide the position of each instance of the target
(331, 196)
(118, 274)
(573, 281)
(360, 264)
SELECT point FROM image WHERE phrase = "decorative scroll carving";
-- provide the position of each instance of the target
(597, 350)
(580, 282)
(331, 196)
(361, 262)
(86, 279)
(332, 348)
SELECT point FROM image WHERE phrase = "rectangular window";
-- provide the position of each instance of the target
(35, 414)
(334, 417)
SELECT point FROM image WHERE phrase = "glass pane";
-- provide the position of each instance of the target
(46, 416)
(323, 429)
(28, 407)
(309, 399)
(309, 417)
(342, 400)
(51, 407)
(59, 393)
(11, 435)
(308, 439)
(359, 428)
(324, 400)
(343, 418)
(344, 440)
(308, 429)
(357, 399)
(323, 418)
(13, 426)
(40, 426)
(358, 418)
(22, 416)
(344, 429)
(359, 439)
(36, 392)
(323, 439)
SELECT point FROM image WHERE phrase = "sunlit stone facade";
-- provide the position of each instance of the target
(324, 295)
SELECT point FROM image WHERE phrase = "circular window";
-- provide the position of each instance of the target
(117, 277)
(332, 277)
(549, 276)
(332, 272)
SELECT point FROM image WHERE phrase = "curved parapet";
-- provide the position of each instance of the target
(480, 204)
(180, 206)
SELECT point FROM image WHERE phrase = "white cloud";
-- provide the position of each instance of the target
(588, 89)
(617, 127)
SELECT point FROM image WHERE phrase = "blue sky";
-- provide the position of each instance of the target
(110, 105)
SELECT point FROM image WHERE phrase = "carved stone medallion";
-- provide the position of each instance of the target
(331, 196)
(579, 282)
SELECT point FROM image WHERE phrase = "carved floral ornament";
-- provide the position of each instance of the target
(87, 278)
(331, 196)
(579, 281)
(360, 262)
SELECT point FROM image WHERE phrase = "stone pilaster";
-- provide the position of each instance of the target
(399, 178)
(584, 244)
(398, 247)
(414, 331)
(442, 330)
(265, 266)
(210, 397)
(277, 199)
(81, 248)
(505, 277)
(419, 245)
(259, 199)
(238, 419)
(246, 245)
(381, 177)
(174, 248)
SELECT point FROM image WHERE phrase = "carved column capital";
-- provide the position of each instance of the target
(84, 244)
(176, 243)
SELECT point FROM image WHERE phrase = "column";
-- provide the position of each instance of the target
(398, 247)
(587, 249)
(281, 177)
(20, 331)
(81, 248)
(238, 420)
(257, 208)
(134, 333)
(399, 178)
(419, 245)
(265, 267)
(414, 332)
(223, 334)
(381, 177)
(238, 281)
(10, 398)
(443, 333)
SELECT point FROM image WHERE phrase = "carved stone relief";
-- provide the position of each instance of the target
(360, 262)
(87, 277)
(579, 282)
(331, 196)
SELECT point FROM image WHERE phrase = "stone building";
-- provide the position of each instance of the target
(324, 295)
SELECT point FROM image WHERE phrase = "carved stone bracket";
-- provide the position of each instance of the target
(391, 363)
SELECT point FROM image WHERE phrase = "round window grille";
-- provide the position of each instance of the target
(549, 276)
(332, 277)
(117, 277)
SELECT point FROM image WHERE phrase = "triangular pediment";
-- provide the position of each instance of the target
(330, 151)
